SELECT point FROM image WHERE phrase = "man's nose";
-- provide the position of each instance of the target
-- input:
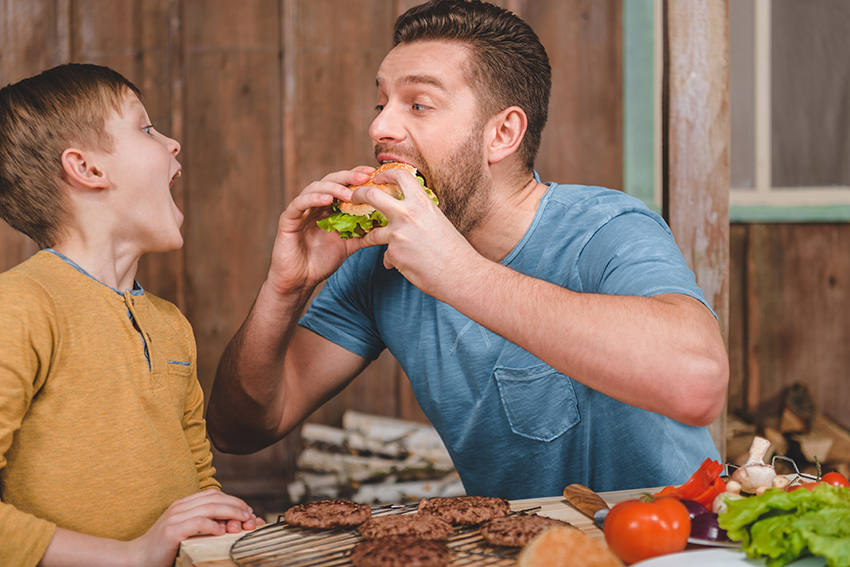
(385, 127)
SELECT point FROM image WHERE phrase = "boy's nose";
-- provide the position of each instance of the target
(173, 146)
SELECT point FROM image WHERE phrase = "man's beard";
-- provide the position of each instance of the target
(458, 181)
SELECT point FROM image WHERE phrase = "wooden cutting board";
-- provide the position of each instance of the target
(214, 551)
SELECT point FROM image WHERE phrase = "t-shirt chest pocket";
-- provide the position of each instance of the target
(540, 402)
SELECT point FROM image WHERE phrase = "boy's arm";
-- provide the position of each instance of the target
(24, 536)
(194, 426)
(195, 430)
(207, 512)
(28, 541)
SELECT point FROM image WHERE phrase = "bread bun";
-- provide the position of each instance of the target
(566, 547)
(353, 221)
(364, 209)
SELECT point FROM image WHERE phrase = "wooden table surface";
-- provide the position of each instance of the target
(214, 551)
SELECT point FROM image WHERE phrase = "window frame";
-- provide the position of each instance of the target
(643, 48)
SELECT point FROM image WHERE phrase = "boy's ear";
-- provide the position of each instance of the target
(82, 170)
(507, 129)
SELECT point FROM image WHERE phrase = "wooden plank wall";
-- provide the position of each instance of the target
(789, 302)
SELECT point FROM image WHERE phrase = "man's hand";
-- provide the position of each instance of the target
(423, 245)
(304, 255)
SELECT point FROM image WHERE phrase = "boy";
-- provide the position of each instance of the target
(103, 451)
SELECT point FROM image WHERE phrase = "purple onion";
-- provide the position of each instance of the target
(695, 508)
(705, 527)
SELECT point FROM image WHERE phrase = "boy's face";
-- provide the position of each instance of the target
(141, 169)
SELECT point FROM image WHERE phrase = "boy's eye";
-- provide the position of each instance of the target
(147, 129)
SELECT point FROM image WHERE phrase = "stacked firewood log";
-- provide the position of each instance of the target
(373, 460)
(800, 433)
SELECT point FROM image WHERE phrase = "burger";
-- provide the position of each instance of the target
(352, 220)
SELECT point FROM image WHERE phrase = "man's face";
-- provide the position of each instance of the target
(141, 168)
(429, 117)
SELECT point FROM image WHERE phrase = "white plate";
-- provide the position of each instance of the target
(712, 543)
(719, 558)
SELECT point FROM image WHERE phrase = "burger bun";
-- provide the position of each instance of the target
(363, 209)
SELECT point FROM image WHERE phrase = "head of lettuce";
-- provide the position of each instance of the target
(352, 221)
(781, 526)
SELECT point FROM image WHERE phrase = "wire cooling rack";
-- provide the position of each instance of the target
(283, 545)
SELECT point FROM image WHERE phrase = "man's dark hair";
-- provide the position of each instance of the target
(510, 65)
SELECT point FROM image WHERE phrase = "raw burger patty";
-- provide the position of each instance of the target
(464, 510)
(419, 525)
(400, 551)
(517, 531)
(328, 514)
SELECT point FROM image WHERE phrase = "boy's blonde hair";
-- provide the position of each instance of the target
(41, 117)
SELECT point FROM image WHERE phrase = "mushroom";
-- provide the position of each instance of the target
(718, 505)
(755, 473)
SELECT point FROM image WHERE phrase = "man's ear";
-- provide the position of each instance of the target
(81, 170)
(507, 129)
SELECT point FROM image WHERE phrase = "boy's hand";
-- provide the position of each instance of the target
(304, 255)
(208, 512)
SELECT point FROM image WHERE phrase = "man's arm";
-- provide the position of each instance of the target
(274, 374)
(664, 354)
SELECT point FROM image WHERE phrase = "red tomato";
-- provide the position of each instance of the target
(836, 479)
(636, 530)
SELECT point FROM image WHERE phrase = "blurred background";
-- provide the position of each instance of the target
(266, 96)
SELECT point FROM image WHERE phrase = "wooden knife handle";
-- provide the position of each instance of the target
(584, 499)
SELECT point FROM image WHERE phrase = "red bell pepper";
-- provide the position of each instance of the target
(703, 486)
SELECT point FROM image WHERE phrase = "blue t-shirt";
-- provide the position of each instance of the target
(514, 426)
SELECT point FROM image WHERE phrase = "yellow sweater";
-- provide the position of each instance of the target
(101, 425)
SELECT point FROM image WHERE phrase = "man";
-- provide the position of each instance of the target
(552, 334)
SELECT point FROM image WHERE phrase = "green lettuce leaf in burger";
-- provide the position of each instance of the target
(351, 220)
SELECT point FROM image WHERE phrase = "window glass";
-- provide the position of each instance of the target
(742, 94)
(810, 93)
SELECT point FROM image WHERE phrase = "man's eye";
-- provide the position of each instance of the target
(418, 107)
(379, 107)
